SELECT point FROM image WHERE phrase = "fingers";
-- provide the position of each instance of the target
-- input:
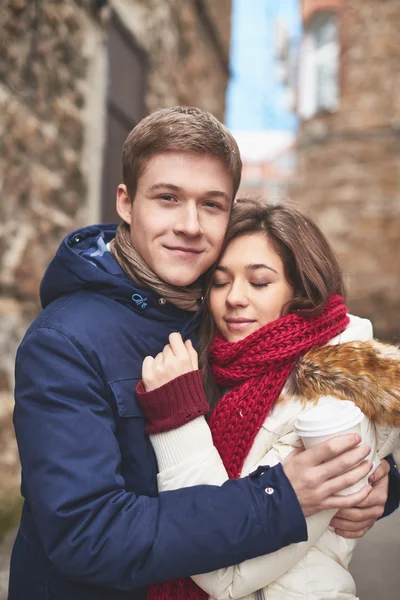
(158, 362)
(372, 506)
(381, 472)
(349, 514)
(339, 502)
(184, 352)
(177, 345)
(378, 496)
(193, 354)
(356, 518)
(326, 451)
(150, 369)
(345, 461)
(349, 478)
(352, 535)
(354, 522)
(147, 373)
(351, 526)
(176, 359)
(146, 366)
(358, 515)
(167, 354)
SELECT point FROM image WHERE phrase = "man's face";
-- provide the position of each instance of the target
(179, 215)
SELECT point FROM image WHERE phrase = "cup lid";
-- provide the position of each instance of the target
(330, 418)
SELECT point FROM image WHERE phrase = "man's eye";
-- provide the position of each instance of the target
(167, 197)
(211, 204)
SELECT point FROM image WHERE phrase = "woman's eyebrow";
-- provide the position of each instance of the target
(254, 267)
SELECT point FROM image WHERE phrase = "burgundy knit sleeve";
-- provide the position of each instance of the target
(173, 404)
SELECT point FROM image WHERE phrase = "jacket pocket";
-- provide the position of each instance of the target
(125, 398)
(138, 461)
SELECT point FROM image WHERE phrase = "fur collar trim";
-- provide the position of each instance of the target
(368, 373)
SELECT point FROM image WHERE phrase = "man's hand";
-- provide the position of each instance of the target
(356, 521)
(319, 473)
(176, 359)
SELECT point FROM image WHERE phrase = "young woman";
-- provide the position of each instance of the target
(276, 339)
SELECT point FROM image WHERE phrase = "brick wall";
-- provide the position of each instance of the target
(349, 163)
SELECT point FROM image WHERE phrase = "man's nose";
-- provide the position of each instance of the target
(188, 222)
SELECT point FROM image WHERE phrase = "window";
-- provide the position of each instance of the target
(125, 107)
(319, 66)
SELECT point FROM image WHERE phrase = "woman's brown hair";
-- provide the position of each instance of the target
(310, 265)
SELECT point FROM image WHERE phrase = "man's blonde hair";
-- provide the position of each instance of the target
(178, 129)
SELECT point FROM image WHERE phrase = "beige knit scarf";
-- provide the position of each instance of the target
(186, 298)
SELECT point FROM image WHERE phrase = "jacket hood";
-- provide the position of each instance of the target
(83, 262)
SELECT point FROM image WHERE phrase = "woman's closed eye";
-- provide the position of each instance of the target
(259, 285)
(219, 284)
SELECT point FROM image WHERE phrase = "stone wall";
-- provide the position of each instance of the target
(349, 163)
(188, 48)
(42, 184)
(53, 88)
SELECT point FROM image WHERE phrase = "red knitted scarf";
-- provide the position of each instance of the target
(256, 369)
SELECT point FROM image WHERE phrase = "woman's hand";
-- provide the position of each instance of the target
(355, 522)
(171, 390)
(176, 359)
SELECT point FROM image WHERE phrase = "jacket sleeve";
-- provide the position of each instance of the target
(393, 500)
(201, 463)
(91, 528)
(388, 439)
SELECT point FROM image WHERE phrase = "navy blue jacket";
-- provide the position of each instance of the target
(93, 525)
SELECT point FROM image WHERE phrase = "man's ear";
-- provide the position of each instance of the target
(124, 203)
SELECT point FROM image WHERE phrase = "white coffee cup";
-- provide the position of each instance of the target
(331, 418)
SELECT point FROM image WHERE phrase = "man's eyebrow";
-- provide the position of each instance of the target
(254, 267)
(214, 193)
(169, 186)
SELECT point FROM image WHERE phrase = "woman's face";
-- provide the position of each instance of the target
(249, 288)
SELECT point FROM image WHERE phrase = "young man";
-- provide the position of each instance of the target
(93, 526)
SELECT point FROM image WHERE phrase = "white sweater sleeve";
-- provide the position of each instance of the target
(186, 456)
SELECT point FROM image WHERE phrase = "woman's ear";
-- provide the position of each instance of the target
(124, 204)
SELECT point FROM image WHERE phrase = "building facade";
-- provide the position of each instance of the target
(348, 145)
(269, 164)
(75, 77)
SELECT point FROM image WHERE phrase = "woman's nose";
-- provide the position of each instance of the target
(237, 295)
